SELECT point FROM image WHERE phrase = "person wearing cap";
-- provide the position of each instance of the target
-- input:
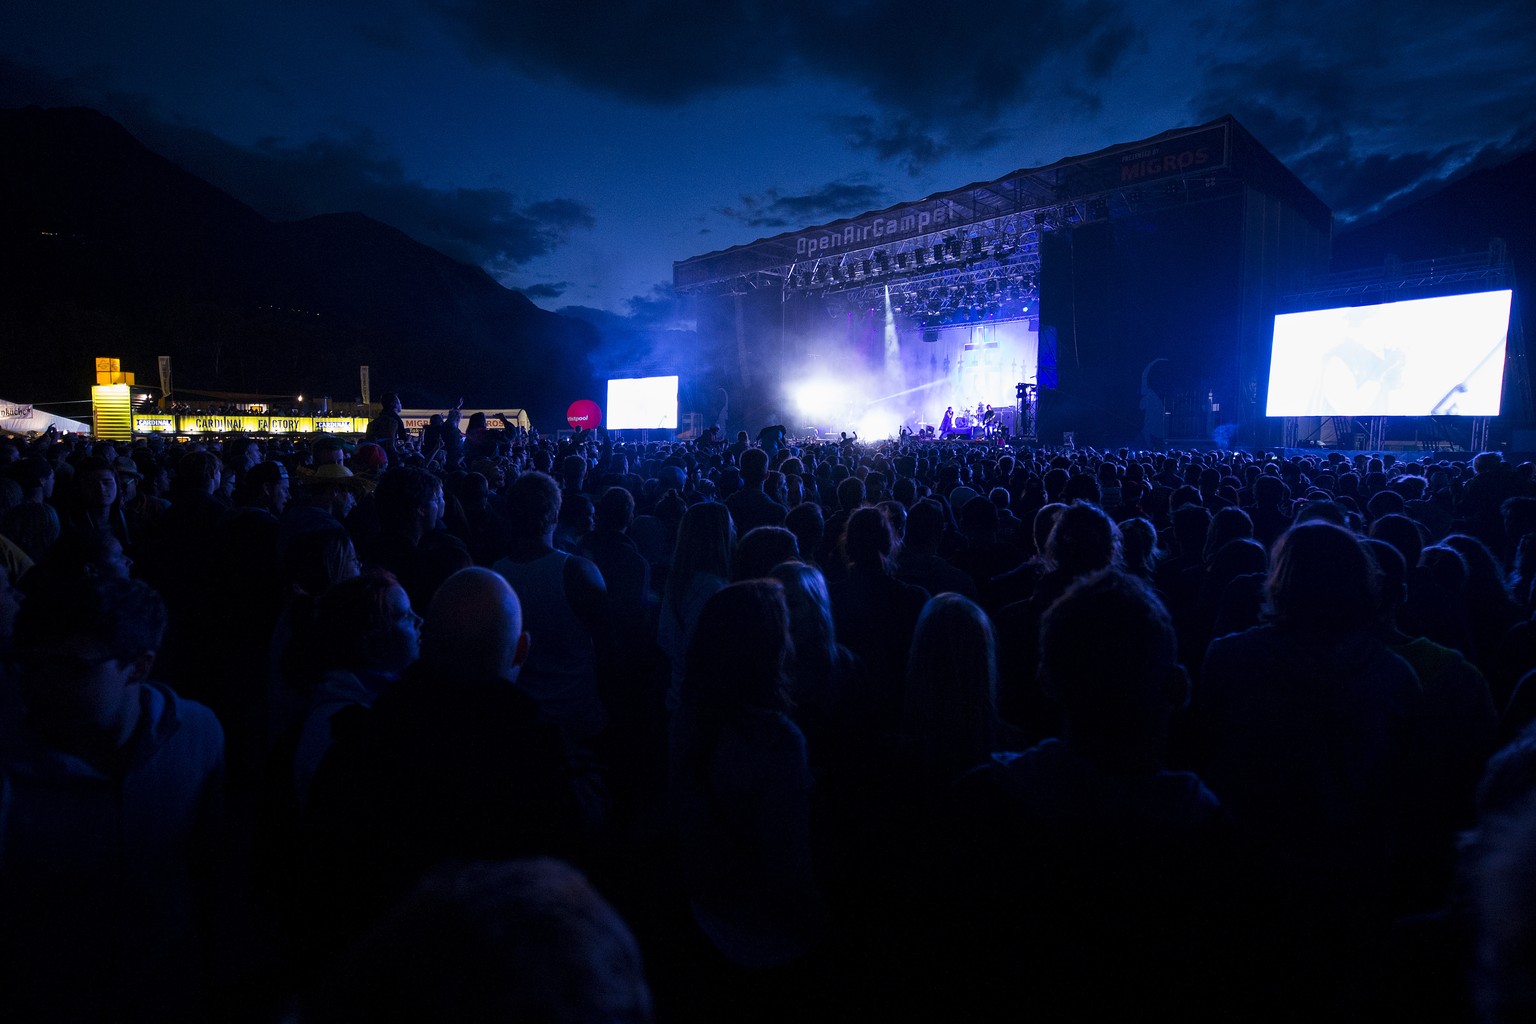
(264, 486)
(328, 451)
(369, 460)
(139, 507)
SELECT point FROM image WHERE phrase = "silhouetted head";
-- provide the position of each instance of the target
(737, 656)
(1321, 580)
(474, 627)
(1109, 657)
(950, 710)
(868, 543)
(523, 940)
(1084, 540)
(761, 549)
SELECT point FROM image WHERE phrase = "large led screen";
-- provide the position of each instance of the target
(642, 403)
(1422, 357)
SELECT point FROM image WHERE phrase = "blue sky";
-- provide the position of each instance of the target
(575, 151)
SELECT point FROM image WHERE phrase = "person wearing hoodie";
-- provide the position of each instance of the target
(110, 796)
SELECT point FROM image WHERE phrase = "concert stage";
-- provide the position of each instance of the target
(1135, 286)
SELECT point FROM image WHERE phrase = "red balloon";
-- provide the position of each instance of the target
(584, 414)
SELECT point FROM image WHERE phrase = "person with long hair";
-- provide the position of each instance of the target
(96, 505)
(821, 671)
(949, 715)
(1082, 541)
(363, 636)
(1307, 728)
(875, 612)
(701, 566)
(742, 785)
(312, 562)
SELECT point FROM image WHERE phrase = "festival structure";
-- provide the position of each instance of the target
(1131, 290)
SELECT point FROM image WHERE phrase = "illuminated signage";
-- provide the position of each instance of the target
(248, 424)
(881, 226)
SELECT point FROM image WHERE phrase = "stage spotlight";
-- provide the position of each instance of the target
(815, 398)
(878, 423)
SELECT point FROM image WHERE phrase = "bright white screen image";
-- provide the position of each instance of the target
(1423, 357)
(642, 403)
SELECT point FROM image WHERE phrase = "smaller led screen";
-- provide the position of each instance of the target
(1422, 357)
(642, 403)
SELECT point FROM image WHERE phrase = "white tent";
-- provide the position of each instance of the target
(17, 418)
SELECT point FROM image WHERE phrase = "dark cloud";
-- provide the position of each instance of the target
(286, 181)
(1372, 103)
(289, 181)
(837, 199)
(912, 141)
(893, 138)
(923, 69)
(661, 308)
(546, 291)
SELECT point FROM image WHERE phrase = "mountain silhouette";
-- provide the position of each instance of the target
(112, 250)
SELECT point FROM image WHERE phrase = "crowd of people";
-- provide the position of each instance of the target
(482, 725)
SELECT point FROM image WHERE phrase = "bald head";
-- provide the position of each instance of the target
(474, 627)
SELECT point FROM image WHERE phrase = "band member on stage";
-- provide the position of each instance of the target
(948, 422)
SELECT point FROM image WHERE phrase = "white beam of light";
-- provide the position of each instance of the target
(818, 398)
(878, 423)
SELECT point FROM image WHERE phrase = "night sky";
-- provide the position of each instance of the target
(576, 150)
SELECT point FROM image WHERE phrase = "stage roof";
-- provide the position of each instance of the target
(1005, 215)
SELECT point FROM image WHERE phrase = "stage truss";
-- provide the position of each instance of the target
(979, 258)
